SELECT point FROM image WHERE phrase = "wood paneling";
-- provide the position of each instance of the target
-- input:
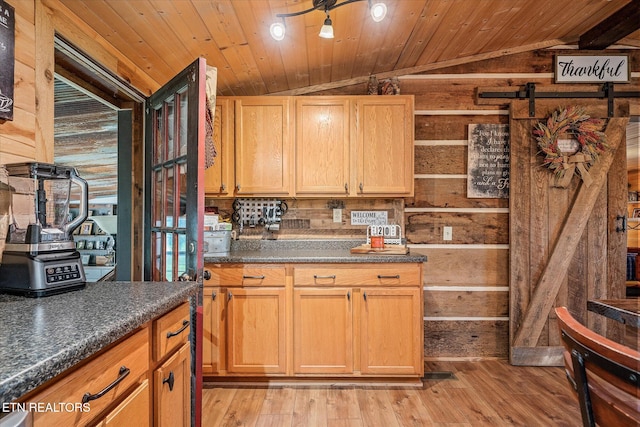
(468, 228)
(455, 338)
(415, 36)
(461, 303)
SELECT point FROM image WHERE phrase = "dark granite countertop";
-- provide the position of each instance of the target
(42, 337)
(304, 251)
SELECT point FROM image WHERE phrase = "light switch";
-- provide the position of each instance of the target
(447, 233)
(337, 215)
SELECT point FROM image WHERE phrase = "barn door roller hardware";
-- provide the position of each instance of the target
(607, 92)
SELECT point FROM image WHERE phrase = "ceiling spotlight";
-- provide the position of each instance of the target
(277, 30)
(378, 11)
(326, 32)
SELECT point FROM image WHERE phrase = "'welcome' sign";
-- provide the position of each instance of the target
(592, 69)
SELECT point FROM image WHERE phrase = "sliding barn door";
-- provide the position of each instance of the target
(564, 247)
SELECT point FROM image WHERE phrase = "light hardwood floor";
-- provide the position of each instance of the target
(485, 393)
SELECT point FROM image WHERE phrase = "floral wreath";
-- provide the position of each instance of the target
(571, 123)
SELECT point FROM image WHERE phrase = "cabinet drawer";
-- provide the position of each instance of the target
(357, 275)
(248, 275)
(171, 331)
(115, 371)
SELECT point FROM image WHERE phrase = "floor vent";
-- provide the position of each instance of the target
(444, 375)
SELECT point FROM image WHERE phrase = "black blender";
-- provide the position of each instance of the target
(40, 256)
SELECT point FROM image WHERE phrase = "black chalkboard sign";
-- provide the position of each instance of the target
(7, 59)
(488, 161)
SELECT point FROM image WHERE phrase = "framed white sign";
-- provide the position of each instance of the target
(368, 217)
(592, 68)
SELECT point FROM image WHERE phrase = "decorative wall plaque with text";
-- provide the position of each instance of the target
(7, 55)
(488, 161)
(592, 68)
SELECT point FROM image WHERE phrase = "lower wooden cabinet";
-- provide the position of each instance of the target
(142, 380)
(342, 320)
(256, 331)
(323, 331)
(172, 390)
(133, 410)
(212, 331)
(391, 332)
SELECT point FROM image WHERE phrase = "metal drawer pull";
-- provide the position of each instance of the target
(380, 276)
(124, 371)
(253, 277)
(185, 324)
(169, 380)
(315, 276)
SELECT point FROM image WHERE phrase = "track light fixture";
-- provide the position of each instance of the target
(277, 29)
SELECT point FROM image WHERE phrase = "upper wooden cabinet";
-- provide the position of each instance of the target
(384, 145)
(322, 146)
(219, 177)
(263, 146)
(314, 146)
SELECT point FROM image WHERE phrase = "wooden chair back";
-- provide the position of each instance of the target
(603, 374)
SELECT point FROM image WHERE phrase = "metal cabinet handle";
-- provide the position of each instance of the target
(223, 187)
(213, 296)
(124, 371)
(380, 276)
(229, 296)
(346, 187)
(348, 295)
(169, 380)
(364, 295)
(238, 187)
(333, 276)
(253, 277)
(185, 325)
(206, 274)
(361, 187)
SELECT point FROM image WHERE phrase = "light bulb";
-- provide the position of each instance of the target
(326, 32)
(277, 31)
(378, 11)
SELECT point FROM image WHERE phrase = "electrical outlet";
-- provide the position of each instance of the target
(337, 215)
(447, 233)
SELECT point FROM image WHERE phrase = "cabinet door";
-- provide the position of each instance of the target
(256, 320)
(264, 146)
(384, 145)
(135, 409)
(322, 146)
(218, 179)
(391, 333)
(172, 390)
(212, 333)
(323, 331)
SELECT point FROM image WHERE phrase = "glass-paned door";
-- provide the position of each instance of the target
(175, 117)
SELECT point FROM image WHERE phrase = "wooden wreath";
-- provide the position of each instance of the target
(571, 142)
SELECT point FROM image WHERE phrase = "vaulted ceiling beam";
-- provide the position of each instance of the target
(617, 26)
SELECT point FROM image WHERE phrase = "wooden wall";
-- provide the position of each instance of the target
(29, 136)
(18, 137)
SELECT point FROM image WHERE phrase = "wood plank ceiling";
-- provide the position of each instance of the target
(164, 36)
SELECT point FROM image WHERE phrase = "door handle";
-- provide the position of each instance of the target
(185, 324)
(122, 374)
(169, 380)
